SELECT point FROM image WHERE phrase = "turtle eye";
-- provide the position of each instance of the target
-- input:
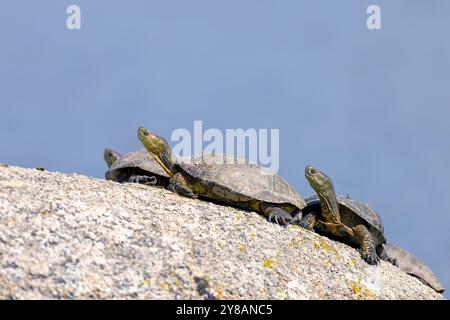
(313, 171)
(146, 132)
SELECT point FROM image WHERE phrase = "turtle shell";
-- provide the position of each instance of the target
(362, 210)
(408, 263)
(139, 161)
(232, 175)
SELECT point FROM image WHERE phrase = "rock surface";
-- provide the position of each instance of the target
(66, 236)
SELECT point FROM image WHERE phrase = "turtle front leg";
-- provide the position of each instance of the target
(384, 256)
(308, 221)
(277, 215)
(367, 245)
(178, 184)
(147, 180)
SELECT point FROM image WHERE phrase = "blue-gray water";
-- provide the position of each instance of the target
(371, 108)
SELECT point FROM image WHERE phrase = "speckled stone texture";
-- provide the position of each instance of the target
(67, 236)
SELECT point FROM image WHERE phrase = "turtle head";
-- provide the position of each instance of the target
(318, 180)
(158, 148)
(110, 156)
(323, 186)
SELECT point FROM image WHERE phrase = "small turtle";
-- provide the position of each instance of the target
(241, 185)
(135, 167)
(410, 264)
(342, 218)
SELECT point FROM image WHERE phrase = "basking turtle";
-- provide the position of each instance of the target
(110, 156)
(408, 263)
(241, 185)
(135, 167)
(343, 218)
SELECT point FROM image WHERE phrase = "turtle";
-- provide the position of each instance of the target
(239, 184)
(135, 167)
(410, 264)
(342, 218)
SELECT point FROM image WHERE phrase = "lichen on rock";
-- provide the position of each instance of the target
(67, 236)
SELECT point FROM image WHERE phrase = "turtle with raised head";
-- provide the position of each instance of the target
(134, 167)
(241, 185)
(342, 218)
(410, 264)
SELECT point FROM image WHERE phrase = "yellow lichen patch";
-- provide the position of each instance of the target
(219, 294)
(308, 231)
(294, 227)
(327, 246)
(361, 291)
(269, 263)
(296, 243)
(253, 234)
(147, 282)
(323, 244)
(165, 286)
(328, 264)
(353, 262)
(46, 213)
(242, 248)
(316, 245)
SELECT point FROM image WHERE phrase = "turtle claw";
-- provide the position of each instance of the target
(296, 220)
(280, 217)
(193, 196)
(304, 225)
(181, 190)
(299, 221)
(151, 181)
(147, 180)
(370, 258)
(392, 261)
